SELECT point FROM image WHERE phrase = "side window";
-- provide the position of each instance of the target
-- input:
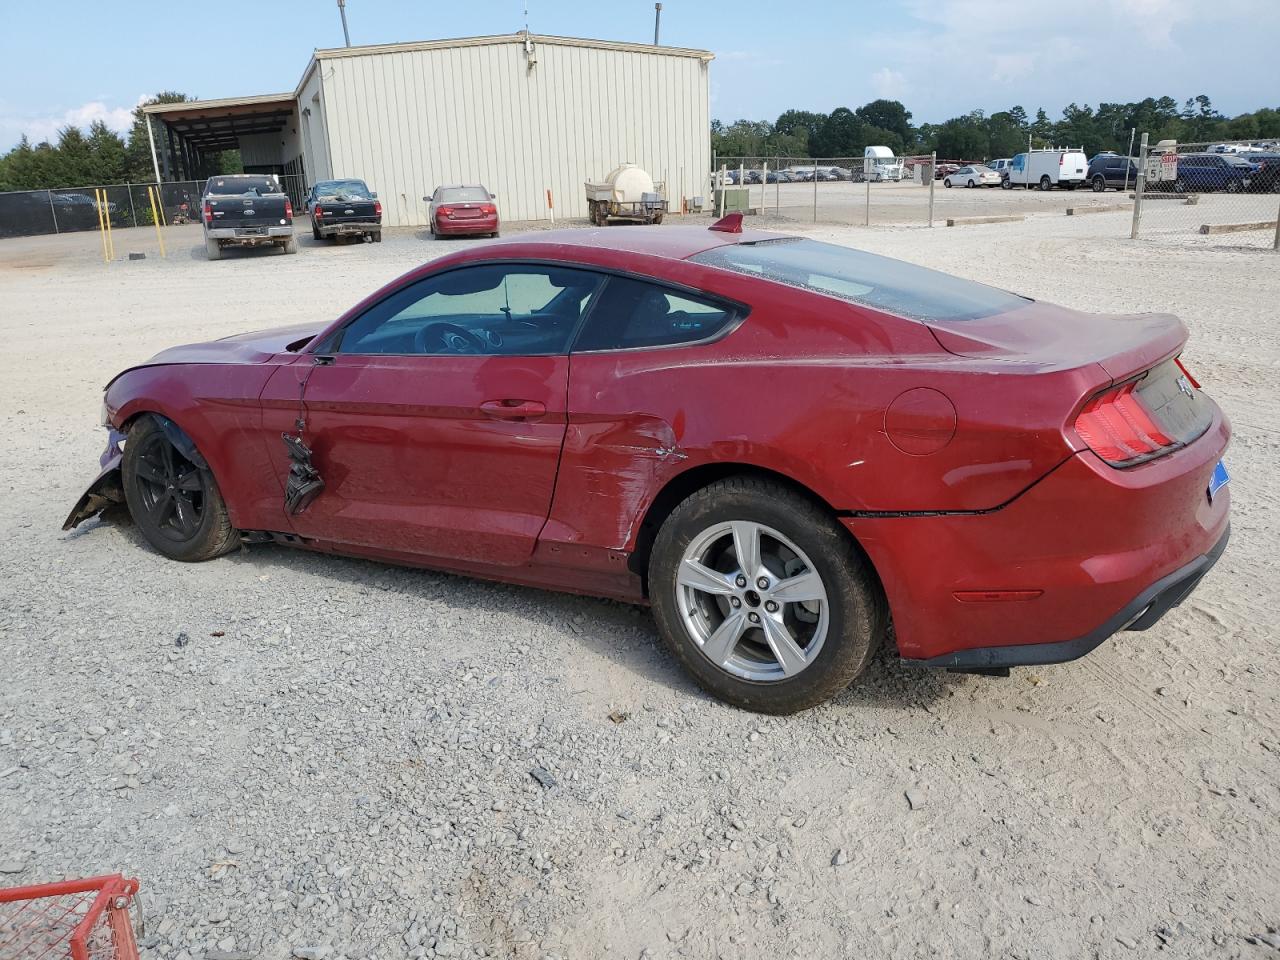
(634, 313)
(490, 309)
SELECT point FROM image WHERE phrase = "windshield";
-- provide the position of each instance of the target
(235, 186)
(343, 190)
(863, 278)
(462, 194)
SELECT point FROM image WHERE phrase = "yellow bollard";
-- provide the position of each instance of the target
(102, 230)
(155, 218)
(106, 215)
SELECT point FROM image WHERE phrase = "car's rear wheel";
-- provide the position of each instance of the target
(290, 245)
(1046, 183)
(315, 233)
(1233, 186)
(174, 501)
(1179, 186)
(212, 250)
(969, 184)
(1099, 184)
(763, 596)
(947, 183)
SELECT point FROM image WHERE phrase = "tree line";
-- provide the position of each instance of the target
(99, 156)
(981, 136)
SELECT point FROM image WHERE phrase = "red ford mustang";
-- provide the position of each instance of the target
(782, 445)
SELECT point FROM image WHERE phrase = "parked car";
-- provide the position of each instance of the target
(1001, 165)
(1109, 170)
(942, 170)
(1204, 172)
(1011, 482)
(344, 208)
(1046, 169)
(246, 210)
(1267, 177)
(974, 175)
(462, 211)
(785, 176)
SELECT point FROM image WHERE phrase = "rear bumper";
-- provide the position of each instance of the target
(236, 233)
(1140, 613)
(327, 229)
(469, 227)
(1088, 548)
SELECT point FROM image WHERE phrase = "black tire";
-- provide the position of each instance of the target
(1179, 186)
(969, 184)
(1099, 185)
(1233, 186)
(1046, 183)
(377, 237)
(151, 459)
(212, 250)
(315, 233)
(290, 245)
(946, 182)
(856, 611)
(1006, 184)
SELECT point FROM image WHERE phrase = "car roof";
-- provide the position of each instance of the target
(672, 242)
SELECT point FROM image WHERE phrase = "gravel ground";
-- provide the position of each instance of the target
(306, 756)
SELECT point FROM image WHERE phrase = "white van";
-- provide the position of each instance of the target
(1046, 169)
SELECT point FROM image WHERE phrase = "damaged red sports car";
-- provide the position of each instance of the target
(784, 446)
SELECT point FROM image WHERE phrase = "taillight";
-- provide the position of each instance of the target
(488, 208)
(208, 213)
(1118, 428)
(446, 211)
(288, 209)
(377, 207)
(317, 212)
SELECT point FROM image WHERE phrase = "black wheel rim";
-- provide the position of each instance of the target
(170, 488)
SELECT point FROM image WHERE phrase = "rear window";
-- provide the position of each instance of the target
(863, 278)
(343, 189)
(462, 195)
(235, 186)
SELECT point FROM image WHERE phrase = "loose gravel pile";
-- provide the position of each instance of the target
(307, 756)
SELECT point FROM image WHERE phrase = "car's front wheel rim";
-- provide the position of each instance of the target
(171, 489)
(752, 601)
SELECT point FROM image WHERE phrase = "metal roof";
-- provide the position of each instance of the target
(218, 124)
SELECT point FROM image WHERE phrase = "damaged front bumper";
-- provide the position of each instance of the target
(107, 489)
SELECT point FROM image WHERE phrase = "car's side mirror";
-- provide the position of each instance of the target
(374, 194)
(493, 196)
(426, 199)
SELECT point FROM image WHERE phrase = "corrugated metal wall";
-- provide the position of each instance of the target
(407, 121)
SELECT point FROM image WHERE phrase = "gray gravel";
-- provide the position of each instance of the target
(306, 756)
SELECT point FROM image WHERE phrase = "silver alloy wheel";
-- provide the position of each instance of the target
(752, 601)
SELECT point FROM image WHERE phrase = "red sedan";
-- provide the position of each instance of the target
(463, 212)
(782, 445)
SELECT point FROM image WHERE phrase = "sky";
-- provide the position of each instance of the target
(75, 61)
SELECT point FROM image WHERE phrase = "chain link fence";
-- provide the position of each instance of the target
(1220, 188)
(832, 190)
(32, 213)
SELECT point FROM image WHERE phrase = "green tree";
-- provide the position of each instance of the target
(889, 115)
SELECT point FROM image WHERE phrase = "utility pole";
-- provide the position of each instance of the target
(657, 21)
(342, 9)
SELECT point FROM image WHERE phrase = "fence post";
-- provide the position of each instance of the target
(933, 165)
(1276, 246)
(814, 168)
(867, 219)
(724, 170)
(1138, 187)
(53, 211)
(133, 212)
(764, 185)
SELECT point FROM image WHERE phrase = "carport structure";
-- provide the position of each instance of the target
(263, 128)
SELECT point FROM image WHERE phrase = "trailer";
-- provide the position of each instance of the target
(628, 193)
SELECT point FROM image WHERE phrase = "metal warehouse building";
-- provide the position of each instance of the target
(520, 113)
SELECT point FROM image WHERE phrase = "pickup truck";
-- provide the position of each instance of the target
(344, 208)
(247, 210)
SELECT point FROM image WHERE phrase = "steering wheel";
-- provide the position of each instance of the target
(455, 338)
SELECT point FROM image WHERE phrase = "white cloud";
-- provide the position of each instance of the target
(45, 126)
(889, 84)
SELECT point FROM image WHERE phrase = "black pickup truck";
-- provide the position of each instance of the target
(344, 208)
(247, 210)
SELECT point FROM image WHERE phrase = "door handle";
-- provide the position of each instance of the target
(512, 409)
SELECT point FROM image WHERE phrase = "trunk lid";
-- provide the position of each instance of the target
(343, 211)
(1053, 337)
(247, 211)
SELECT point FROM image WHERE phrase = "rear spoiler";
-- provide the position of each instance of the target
(729, 223)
